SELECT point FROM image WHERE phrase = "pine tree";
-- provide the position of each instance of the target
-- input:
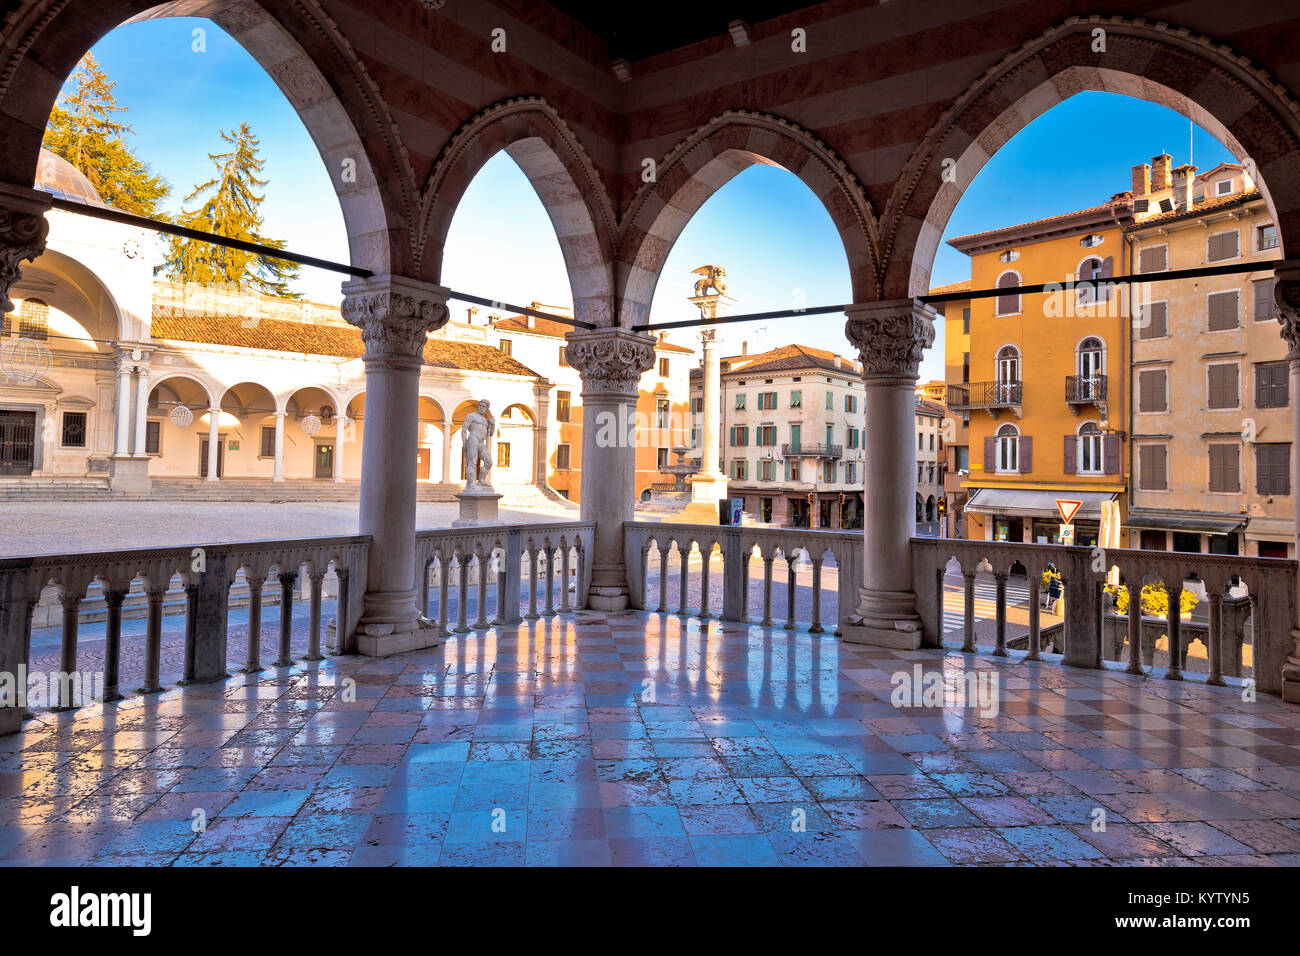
(82, 129)
(229, 207)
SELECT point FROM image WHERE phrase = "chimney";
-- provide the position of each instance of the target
(744, 347)
(1184, 176)
(470, 313)
(839, 361)
(1141, 180)
(1160, 172)
(532, 321)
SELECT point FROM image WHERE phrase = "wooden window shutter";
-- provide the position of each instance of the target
(1026, 454)
(1153, 260)
(1264, 299)
(1071, 446)
(1223, 311)
(1110, 454)
(1216, 468)
(990, 454)
(1157, 321)
(1160, 464)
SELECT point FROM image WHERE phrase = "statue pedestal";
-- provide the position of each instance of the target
(477, 507)
(128, 474)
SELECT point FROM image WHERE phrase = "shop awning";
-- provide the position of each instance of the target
(1270, 529)
(1014, 502)
(1201, 522)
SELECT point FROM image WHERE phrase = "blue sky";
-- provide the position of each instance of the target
(773, 236)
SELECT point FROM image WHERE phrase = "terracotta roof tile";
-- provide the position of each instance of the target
(951, 287)
(788, 357)
(342, 341)
(519, 323)
(1198, 208)
(1037, 222)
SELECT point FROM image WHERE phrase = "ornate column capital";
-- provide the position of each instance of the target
(23, 229)
(1286, 293)
(610, 360)
(395, 314)
(891, 337)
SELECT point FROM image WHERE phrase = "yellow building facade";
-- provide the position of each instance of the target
(1037, 392)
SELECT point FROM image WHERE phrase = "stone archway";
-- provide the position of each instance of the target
(337, 102)
(566, 181)
(704, 162)
(1224, 93)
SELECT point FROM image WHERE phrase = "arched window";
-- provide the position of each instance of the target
(34, 320)
(1008, 375)
(1008, 449)
(1088, 453)
(1091, 366)
(1008, 304)
(1091, 285)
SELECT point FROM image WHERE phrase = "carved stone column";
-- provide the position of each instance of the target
(395, 315)
(890, 338)
(541, 443)
(22, 234)
(611, 362)
(1287, 295)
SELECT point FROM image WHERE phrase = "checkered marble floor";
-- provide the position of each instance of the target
(648, 739)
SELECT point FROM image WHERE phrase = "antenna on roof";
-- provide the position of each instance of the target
(1191, 128)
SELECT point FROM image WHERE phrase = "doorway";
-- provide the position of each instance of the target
(203, 458)
(17, 443)
(422, 458)
(325, 460)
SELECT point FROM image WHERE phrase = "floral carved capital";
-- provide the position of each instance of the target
(395, 316)
(891, 337)
(22, 236)
(610, 360)
(1286, 293)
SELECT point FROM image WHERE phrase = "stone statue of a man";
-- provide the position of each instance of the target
(476, 438)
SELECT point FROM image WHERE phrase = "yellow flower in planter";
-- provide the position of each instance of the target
(1155, 600)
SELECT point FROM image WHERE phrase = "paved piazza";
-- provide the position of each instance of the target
(651, 739)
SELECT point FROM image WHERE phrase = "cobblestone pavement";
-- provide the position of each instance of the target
(651, 739)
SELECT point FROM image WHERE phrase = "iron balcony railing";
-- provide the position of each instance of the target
(1082, 389)
(984, 395)
(811, 451)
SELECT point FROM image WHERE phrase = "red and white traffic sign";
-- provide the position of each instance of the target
(1067, 508)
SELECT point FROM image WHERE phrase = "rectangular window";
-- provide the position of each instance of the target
(1223, 386)
(1153, 462)
(1154, 323)
(961, 457)
(1223, 187)
(1266, 237)
(1225, 466)
(920, 441)
(849, 472)
(1273, 469)
(268, 441)
(697, 405)
(796, 399)
(1153, 259)
(740, 469)
(663, 368)
(562, 457)
(661, 457)
(792, 469)
(505, 345)
(153, 438)
(1151, 390)
(1272, 383)
(503, 454)
(1221, 245)
(1264, 302)
(830, 434)
(1223, 311)
(850, 403)
(766, 470)
(830, 470)
(661, 413)
(931, 441)
(739, 436)
(965, 321)
(766, 401)
(563, 406)
(564, 360)
(740, 401)
(74, 429)
(767, 435)
(830, 401)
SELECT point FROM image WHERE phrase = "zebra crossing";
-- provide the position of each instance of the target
(986, 603)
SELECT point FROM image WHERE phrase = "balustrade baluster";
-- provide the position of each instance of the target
(663, 576)
(968, 621)
(316, 580)
(706, 558)
(1000, 612)
(501, 617)
(532, 614)
(444, 589)
(191, 630)
(1175, 621)
(253, 663)
(1035, 620)
(1135, 628)
(816, 627)
(550, 581)
(113, 598)
(462, 593)
(767, 589)
(480, 622)
(341, 605)
(424, 587)
(153, 638)
(685, 558)
(565, 605)
(288, 579)
(791, 588)
(1214, 637)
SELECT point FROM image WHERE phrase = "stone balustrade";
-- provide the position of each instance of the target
(651, 547)
(533, 553)
(206, 573)
(1088, 634)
